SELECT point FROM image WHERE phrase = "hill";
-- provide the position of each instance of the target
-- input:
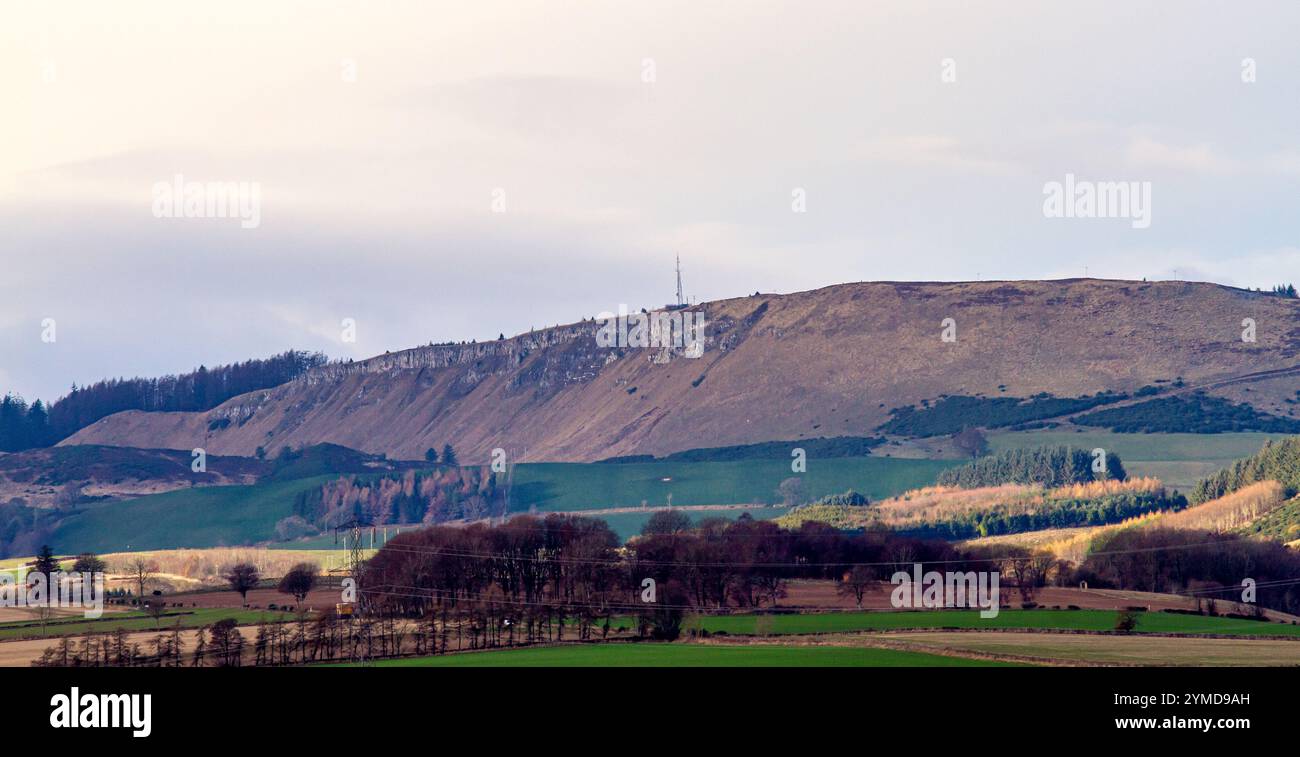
(64, 476)
(824, 363)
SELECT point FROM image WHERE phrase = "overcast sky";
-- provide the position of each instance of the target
(614, 135)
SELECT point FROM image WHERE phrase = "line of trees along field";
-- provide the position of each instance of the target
(565, 578)
(24, 426)
(530, 579)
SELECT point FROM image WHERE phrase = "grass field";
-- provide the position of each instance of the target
(238, 515)
(688, 655)
(1084, 620)
(203, 517)
(580, 486)
(1179, 460)
(137, 621)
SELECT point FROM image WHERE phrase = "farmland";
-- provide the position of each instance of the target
(683, 655)
(549, 487)
(1179, 460)
(207, 517)
(235, 515)
(1075, 620)
(1102, 650)
(137, 621)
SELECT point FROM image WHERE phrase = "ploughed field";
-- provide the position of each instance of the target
(689, 655)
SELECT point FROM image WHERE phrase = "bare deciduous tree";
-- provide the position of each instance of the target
(856, 582)
(142, 572)
(242, 577)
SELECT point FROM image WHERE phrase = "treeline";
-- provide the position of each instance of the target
(1047, 466)
(1053, 513)
(1197, 414)
(949, 415)
(428, 497)
(1278, 461)
(1208, 565)
(533, 578)
(24, 427)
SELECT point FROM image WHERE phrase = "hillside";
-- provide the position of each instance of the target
(63, 476)
(823, 363)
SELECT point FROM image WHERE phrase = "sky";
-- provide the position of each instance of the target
(452, 171)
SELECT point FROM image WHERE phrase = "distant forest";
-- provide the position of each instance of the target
(951, 414)
(1197, 414)
(24, 426)
(1046, 466)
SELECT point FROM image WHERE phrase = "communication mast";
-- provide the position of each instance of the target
(681, 300)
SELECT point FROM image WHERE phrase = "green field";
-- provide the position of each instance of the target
(240, 515)
(1085, 620)
(1180, 460)
(213, 516)
(582, 486)
(138, 621)
(687, 655)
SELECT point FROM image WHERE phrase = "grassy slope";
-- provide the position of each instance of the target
(687, 655)
(207, 517)
(237, 515)
(578, 486)
(1089, 620)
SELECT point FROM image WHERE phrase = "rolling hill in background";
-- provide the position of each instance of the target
(828, 362)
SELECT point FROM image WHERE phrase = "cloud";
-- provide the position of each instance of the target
(1201, 158)
(931, 151)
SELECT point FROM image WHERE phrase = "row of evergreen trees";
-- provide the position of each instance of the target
(24, 426)
(1278, 461)
(1054, 513)
(1048, 466)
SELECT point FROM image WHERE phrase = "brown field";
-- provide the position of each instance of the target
(821, 595)
(20, 654)
(193, 568)
(1100, 650)
(19, 614)
(318, 599)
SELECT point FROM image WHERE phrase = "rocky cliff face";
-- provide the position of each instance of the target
(827, 362)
